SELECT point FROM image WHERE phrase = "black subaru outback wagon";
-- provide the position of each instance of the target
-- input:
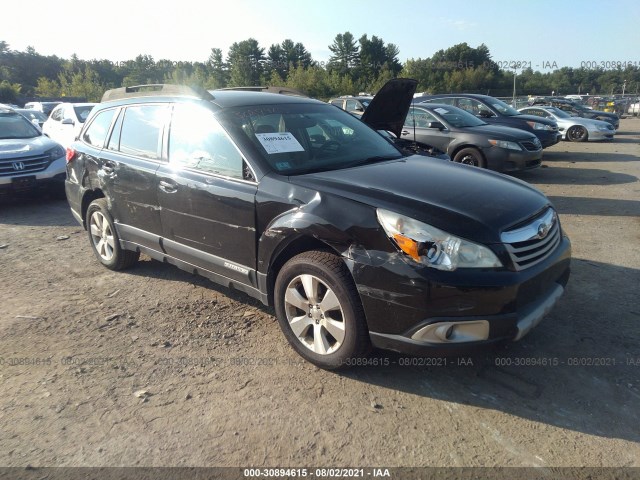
(303, 206)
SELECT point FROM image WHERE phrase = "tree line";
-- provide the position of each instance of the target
(355, 65)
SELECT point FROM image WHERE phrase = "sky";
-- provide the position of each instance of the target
(544, 34)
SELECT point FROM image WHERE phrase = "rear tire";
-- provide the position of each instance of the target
(471, 157)
(104, 238)
(319, 310)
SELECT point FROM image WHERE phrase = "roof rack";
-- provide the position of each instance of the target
(155, 89)
(272, 89)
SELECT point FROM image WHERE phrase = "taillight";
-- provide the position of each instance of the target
(71, 154)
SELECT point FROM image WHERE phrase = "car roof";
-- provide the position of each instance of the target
(465, 95)
(220, 98)
(239, 98)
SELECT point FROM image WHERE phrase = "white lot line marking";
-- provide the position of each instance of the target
(511, 448)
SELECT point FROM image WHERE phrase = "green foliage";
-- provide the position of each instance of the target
(358, 65)
(9, 91)
(246, 60)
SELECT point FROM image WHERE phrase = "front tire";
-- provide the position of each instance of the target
(104, 238)
(577, 133)
(319, 310)
(470, 156)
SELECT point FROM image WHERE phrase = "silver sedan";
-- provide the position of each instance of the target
(574, 129)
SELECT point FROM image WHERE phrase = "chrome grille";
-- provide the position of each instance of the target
(22, 165)
(533, 242)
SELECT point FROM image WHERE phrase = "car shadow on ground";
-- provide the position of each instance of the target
(38, 210)
(574, 176)
(596, 206)
(564, 156)
(149, 268)
(577, 370)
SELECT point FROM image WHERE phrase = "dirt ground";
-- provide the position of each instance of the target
(157, 367)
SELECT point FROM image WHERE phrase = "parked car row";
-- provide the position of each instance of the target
(576, 109)
(355, 242)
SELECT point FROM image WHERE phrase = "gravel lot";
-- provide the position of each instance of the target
(156, 367)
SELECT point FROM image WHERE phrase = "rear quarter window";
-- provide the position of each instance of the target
(96, 133)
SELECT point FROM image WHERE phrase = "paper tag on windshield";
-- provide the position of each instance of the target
(441, 111)
(282, 142)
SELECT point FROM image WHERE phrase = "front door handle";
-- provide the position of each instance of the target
(168, 187)
(405, 132)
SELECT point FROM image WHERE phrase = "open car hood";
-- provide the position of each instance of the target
(388, 109)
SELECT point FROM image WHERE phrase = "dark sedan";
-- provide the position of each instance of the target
(496, 112)
(469, 140)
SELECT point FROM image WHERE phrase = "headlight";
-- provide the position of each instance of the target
(55, 152)
(505, 144)
(540, 126)
(604, 128)
(432, 247)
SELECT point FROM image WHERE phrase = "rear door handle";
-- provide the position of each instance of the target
(168, 187)
(405, 132)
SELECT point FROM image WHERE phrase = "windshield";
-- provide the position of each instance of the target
(296, 139)
(14, 125)
(82, 112)
(457, 117)
(558, 113)
(503, 108)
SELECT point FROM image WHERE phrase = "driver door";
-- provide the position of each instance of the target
(207, 205)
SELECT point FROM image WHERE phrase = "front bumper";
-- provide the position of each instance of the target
(597, 135)
(51, 177)
(548, 139)
(505, 160)
(482, 307)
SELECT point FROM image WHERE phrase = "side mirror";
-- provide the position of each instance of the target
(437, 125)
(68, 121)
(359, 109)
(485, 114)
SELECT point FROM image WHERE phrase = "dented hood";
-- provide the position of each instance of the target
(388, 109)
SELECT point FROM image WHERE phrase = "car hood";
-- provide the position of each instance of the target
(19, 147)
(534, 118)
(388, 109)
(502, 133)
(466, 201)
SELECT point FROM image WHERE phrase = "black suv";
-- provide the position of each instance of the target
(305, 207)
(496, 112)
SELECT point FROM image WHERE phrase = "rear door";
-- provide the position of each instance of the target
(127, 169)
(207, 202)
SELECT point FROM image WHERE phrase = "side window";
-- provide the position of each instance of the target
(197, 141)
(96, 134)
(337, 103)
(446, 101)
(353, 105)
(421, 117)
(57, 114)
(114, 141)
(141, 130)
